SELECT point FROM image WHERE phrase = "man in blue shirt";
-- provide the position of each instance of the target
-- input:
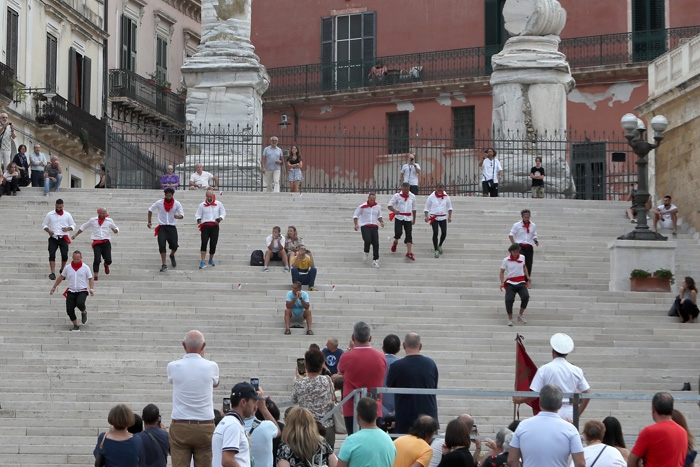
(332, 354)
(298, 309)
(155, 439)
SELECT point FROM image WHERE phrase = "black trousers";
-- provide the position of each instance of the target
(55, 244)
(370, 235)
(73, 300)
(167, 233)
(210, 235)
(38, 178)
(11, 186)
(443, 228)
(529, 253)
(102, 251)
(521, 290)
(413, 189)
(406, 226)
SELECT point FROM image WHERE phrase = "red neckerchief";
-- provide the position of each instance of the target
(75, 265)
(440, 196)
(101, 220)
(405, 197)
(59, 213)
(367, 205)
(213, 202)
(517, 260)
(168, 205)
(527, 226)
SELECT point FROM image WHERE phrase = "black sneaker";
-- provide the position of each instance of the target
(52, 276)
(172, 261)
(84, 317)
(75, 328)
(164, 268)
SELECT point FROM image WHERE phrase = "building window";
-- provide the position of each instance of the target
(129, 41)
(463, 127)
(11, 53)
(162, 58)
(648, 29)
(79, 67)
(398, 133)
(348, 49)
(51, 61)
(494, 29)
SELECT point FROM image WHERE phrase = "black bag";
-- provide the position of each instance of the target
(100, 460)
(257, 258)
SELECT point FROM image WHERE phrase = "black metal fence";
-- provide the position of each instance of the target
(342, 160)
(608, 49)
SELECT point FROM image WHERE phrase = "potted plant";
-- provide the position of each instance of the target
(644, 281)
(182, 92)
(165, 84)
(153, 78)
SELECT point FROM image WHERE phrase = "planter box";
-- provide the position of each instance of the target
(650, 284)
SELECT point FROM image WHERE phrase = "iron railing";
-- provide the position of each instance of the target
(125, 83)
(343, 160)
(58, 111)
(458, 64)
(7, 77)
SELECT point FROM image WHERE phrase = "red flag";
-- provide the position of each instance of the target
(525, 370)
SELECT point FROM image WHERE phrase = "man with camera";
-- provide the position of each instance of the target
(492, 171)
(154, 438)
(297, 310)
(410, 173)
(275, 249)
(303, 270)
(7, 134)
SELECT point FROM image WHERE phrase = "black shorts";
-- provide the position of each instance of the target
(55, 244)
(167, 233)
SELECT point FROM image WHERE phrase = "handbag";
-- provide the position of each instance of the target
(100, 460)
(338, 419)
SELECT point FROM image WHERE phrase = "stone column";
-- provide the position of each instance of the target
(225, 83)
(530, 82)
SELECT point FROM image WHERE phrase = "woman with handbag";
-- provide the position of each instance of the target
(302, 445)
(314, 392)
(117, 447)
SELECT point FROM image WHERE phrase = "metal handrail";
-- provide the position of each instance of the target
(607, 49)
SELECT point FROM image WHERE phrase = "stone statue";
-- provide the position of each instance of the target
(530, 81)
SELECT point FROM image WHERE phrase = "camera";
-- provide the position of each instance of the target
(227, 404)
(255, 382)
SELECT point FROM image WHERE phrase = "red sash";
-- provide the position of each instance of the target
(210, 224)
(67, 239)
(516, 279)
(392, 215)
(97, 242)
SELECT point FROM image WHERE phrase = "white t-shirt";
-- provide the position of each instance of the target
(409, 173)
(201, 181)
(278, 245)
(230, 435)
(99, 232)
(610, 457)
(520, 233)
(261, 441)
(406, 206)
(368, 215)
(514, 269)
(210, 213)
(56, 223)
(568, 377)
(439, 207)
(666, 220)
(77, 281)
(546, 439)
(491, 169)
(193, 379)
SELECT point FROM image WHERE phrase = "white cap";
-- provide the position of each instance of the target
(561, 343)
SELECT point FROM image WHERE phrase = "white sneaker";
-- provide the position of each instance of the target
(365, 256)
(510, 322)
(375, 263)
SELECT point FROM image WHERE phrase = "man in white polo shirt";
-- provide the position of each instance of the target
(403, 213)
(559, 371)
(194, 379)
(80, 283)
(201, 180)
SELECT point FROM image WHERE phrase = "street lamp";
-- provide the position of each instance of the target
(636, 139)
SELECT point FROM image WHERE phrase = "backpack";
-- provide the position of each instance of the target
(257, 258)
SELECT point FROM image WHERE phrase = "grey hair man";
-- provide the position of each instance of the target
(361, 367)
(7, 134)
(413, 371)
(194, 379)
(546, 439)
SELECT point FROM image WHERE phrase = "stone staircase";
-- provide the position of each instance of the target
(56, 387)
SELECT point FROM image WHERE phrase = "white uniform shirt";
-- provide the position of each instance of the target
(56, 223)
(100, 232)
(409, 173)
(201, 181)
(230, 435)
(210, 213)
(193, 378)
(568, 377)
(278, 245)
(514, 269)
(438, 207)
(368, 215)
(490, 169)
(520, 234)
(405, 206)
(77, 280)
(165, 217)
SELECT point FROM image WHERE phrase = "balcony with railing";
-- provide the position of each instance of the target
(139, 96)
(7, 81)
(90, 130)
(621, 49)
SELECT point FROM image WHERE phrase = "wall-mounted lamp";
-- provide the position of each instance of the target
(284, 123)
